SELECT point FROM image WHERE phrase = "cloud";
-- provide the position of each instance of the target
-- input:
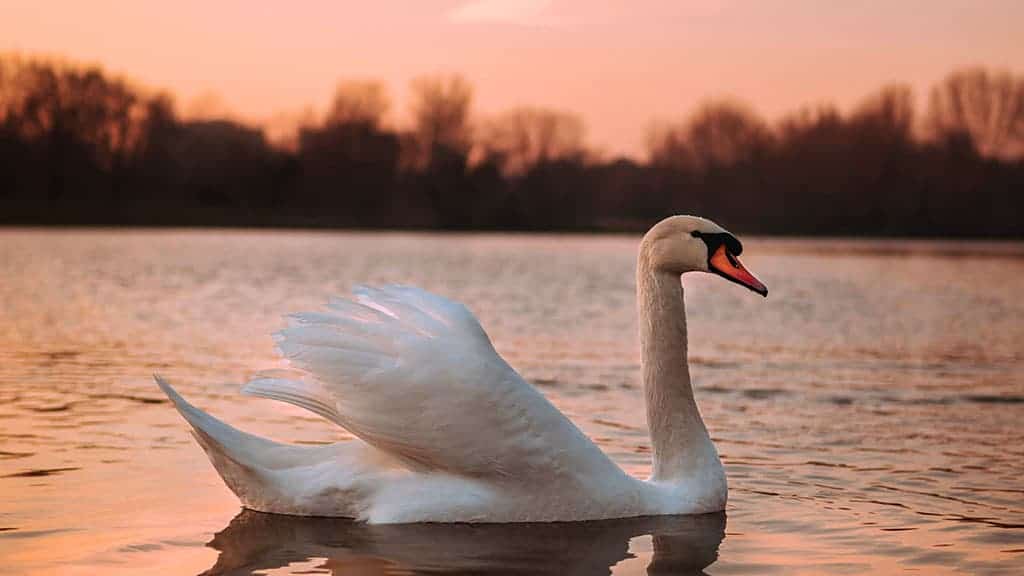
(520, 12)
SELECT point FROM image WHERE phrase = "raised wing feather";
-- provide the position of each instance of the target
(414, 375)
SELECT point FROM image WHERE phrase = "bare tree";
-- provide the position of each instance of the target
(717, 134)
(9, 88)
(890, 111)
(440, 111)
(668, 147)
(47, 100)
(815, 125)
(986, 106)
(525, 137)
(359, 102)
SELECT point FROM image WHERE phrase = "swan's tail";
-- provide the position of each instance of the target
(269, 476)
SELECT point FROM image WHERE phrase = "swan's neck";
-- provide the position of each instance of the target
(680, 442)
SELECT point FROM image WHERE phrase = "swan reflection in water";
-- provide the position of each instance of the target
(254, 542)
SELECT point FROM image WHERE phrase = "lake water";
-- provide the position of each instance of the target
(870, 412)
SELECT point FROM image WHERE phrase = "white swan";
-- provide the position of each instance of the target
(449, 432)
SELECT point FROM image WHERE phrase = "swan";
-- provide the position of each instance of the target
(447, 431)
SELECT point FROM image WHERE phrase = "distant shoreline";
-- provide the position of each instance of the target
(117, 155)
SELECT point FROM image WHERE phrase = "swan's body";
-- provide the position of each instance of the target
(449, 432)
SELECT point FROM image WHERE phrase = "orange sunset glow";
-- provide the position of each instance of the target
(501, 287)
(620, 65)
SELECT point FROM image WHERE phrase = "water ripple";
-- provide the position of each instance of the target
(866, 410)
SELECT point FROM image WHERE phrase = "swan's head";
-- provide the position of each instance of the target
(681, 244)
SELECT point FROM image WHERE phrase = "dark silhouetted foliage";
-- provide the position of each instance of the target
(81, 147)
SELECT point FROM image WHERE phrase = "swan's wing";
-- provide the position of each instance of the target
(415, 375)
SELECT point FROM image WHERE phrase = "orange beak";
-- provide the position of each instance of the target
(729, 267)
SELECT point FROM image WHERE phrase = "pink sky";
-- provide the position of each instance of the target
(620, 65)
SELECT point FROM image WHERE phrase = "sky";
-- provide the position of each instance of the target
(622, 66)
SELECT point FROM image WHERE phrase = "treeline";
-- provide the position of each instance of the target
(79, 146)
